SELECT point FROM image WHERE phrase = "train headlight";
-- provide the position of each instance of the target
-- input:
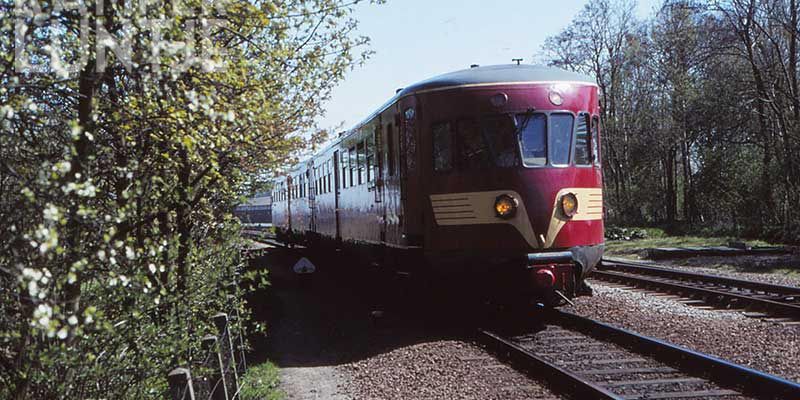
(569, 205)
(505, 206)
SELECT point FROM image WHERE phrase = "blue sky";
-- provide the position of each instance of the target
(417, 39)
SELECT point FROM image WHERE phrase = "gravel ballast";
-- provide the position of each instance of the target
(440, 370)
(730, 335)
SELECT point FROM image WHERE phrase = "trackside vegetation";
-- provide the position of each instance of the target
(700, 112)
(128, 132)
(261, 383)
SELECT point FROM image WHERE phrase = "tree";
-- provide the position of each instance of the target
(701, 111)
(125, 144)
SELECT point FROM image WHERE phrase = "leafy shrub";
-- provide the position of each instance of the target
(118, 183)
(261, 382)
(617, 233)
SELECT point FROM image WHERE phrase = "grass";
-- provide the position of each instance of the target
(658, 238)
(261, 382)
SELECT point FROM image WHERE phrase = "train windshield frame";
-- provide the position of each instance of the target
(545, 138)
(530, 140)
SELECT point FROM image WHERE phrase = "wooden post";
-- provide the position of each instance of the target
(218, 385)
(180, 384)
(226, 350)
(237, 336)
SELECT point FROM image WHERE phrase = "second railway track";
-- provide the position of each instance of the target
(718, 291)
(586, 359)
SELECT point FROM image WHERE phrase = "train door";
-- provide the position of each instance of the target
(380, 205)
(409, 174)
(392, 205)
(337, 192)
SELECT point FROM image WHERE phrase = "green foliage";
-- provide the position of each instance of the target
(617, 233)
(117, 240)
(261, 382)
(699, 112)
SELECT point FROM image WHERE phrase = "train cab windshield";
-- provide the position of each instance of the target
(546, 139)
(527, 139)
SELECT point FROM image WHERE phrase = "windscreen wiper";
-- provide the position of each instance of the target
(520, 126)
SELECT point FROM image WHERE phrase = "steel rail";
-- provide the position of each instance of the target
(560, 378)
(710, 295)
(749, 381)
(617, 264)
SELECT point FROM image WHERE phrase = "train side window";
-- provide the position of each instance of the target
(561, 126)
(533, 138)
(328, 169)
(498, 133)
(583, 143)
(595, 138)
(343, 162)
(377, 167)
(361, 148)
(390, 149)
(353, 166)
(370, 157)
(442, 147)
(472, 151)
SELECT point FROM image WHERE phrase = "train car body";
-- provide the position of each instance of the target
(492, 171)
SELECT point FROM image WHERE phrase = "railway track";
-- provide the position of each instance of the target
(777, 300)
(586, 359)
(263, 238)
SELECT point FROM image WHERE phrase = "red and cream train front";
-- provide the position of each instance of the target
(490, 171)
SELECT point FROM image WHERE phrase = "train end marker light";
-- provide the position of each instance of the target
(304, 267)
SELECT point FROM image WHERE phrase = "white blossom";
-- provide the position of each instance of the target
(42, 315)
(51, 213)
(129, 253)
(229, 116)
(75, 132)
(7, 112)
(33, 289)
(63, 167)
(63, 333)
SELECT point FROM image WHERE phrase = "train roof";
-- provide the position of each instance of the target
(498, 74)
(475, 76)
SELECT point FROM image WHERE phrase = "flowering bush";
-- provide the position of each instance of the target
(126, 137)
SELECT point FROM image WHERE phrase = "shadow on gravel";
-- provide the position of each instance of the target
(344, 314)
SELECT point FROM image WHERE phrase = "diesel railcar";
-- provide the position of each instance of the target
(492, 172)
